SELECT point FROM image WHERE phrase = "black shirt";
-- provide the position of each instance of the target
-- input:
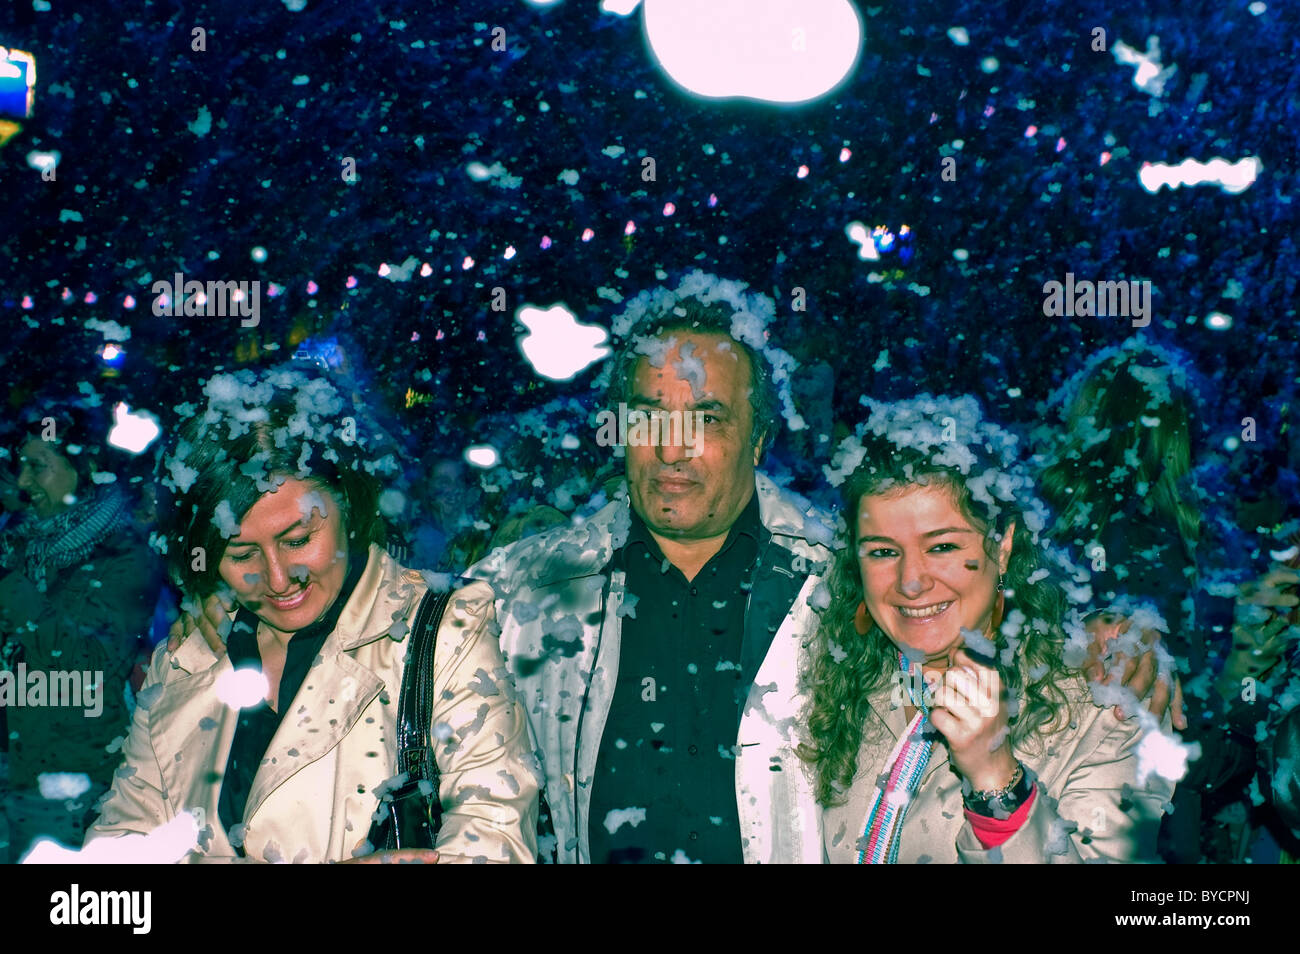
(666, 773)
(258, 724)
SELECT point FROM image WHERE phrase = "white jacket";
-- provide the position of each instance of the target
(313, 797)
(561, 622)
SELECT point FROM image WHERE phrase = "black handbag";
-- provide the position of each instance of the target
(410, 815)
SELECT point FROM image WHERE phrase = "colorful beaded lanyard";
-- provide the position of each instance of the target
(904, 769)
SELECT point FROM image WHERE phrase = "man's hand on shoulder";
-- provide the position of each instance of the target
(213, 625)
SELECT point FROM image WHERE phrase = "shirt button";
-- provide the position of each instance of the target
(694, 836)
(695, 591)
(694, 750)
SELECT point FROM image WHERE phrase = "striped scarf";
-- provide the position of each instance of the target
(902, 774)
(46, 545)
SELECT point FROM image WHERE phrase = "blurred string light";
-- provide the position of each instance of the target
(112, 354)
(557, 346)
(1231, 177)
(1218, 321)
(132, 431)
(780, 51)
(482, 455)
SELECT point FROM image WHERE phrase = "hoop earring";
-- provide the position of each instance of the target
(999, 607)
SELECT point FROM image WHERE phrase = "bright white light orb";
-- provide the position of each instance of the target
(241, 688)
(860, 235)
(557, 345)
(482, 455)
(776, 51)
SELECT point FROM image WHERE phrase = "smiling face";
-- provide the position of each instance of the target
(925, 573)
(47, 477)
(687, 498)
(289, 560)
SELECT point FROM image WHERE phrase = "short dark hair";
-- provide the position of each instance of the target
(75, 423)
(287, 439)
(692, 315)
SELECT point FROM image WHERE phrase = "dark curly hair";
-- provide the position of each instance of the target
(847, 668)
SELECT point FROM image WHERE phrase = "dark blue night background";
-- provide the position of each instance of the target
(119, 85)
(414, 92)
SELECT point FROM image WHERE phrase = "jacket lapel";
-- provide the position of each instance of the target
(331, 700)
(338, 688)
(191, 719)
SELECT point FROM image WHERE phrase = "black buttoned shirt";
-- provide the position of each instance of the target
(664, 788)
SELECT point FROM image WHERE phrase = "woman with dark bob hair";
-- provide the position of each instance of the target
(947, 716)
(78, 585)
(283, 744)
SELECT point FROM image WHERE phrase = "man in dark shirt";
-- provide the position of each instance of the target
(637, 637)
(667, 744)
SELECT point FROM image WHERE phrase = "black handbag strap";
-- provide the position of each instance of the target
(415, 754)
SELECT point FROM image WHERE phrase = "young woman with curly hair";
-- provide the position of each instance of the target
(948, 720)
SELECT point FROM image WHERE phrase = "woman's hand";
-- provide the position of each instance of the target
(213, 625)
(1140, 674)
(971, 714)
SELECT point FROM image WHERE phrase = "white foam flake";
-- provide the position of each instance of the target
(165, 845)
(202, 124)
(61, 786)
(224, 517)
(132, 431)
(496, 174)
(618, 817)
(557, 345)
(1150, 75)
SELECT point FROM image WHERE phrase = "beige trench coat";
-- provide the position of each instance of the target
(312, 799)
(1083, 771)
